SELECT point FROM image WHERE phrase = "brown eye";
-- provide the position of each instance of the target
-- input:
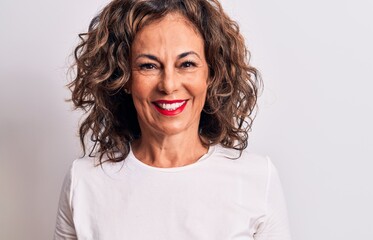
(147, 66)
(188, 64)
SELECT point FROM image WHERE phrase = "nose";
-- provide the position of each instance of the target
(169, 81)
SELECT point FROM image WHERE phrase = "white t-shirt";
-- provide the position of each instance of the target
(215, 198)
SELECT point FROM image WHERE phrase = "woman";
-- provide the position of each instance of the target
(168, 94)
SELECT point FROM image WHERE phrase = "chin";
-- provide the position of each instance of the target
(173, 129)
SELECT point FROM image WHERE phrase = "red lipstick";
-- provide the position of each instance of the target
(170, 107)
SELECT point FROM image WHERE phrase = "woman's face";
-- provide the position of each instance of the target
(169, 76)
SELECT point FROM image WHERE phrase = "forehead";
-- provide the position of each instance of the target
(173, 31)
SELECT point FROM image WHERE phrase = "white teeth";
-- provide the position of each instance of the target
(170, 106)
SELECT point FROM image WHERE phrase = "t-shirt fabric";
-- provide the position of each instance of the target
(219, 197)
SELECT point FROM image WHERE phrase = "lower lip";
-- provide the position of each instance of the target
(172, 112)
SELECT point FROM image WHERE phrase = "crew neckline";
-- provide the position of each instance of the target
(132, 161)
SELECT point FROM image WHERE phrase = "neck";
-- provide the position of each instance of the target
(169, 151)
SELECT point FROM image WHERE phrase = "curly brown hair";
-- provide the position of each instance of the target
(102, 64)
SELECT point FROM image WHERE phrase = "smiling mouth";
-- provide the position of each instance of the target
(170, 108)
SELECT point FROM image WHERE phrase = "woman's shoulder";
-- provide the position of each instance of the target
(83, 164)
(252, 170)
(89, 168)
(245, 158)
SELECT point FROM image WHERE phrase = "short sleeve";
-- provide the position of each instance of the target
(65, 225)
(274, 226)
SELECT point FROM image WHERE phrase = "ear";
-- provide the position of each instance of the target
(127, 87)
(127, 91)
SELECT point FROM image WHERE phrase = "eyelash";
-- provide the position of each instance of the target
(145, 66)
(191, 63)
(151, 66)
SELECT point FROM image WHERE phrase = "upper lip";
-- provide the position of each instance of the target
(170, 101)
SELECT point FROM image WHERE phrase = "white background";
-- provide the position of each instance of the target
(315, 118)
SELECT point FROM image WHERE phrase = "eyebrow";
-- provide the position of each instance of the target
(181, 55)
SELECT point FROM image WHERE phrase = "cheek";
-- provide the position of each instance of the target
(140, 91)
(202, 84)
(198, 82)
(199, 93)
(141, 87)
